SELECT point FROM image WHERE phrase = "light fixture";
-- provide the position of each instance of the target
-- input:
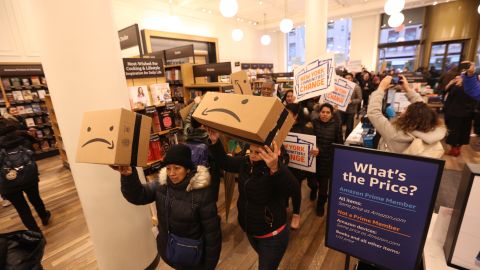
(478, 9)
(265, 39)
(260, 2)
(394, 6)
(237, 34)
(286, 24)
(435, 3)
(396, 20)
(228, 8)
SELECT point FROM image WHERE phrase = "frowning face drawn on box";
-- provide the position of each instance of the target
(232, 113)
(94, 131)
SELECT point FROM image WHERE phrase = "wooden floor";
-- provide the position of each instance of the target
(69, 245)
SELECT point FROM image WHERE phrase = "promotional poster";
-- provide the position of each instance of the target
(380, 205)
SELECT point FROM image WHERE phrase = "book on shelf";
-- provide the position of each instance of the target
(6, 84)
(36, 108)
(39, 134)
(154, 150)
(139, 98)
(177, 93)
(43, 80)
(46, 120)
(44, 108)
(28, 109)
(173, 74)
(41, 93)
(17, 95)
(53, 143)
(21, 110)
(2, 98)
(38, 120)
(36, 147)
(13, 110)
(156, 127)
(160, 93)
(167, 119)
(45, 145)
(9, 97)
(27, 95)
(35, 80)
(15, 82)
(25, 81)
(3, 110)
(35, 96)
(30, 122)
(46, 132)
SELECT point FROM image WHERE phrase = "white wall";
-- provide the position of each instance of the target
(364, 40)
(155, 17)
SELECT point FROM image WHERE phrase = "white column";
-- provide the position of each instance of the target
(316, 12)
(281, 52)
(81, 57)
(364, 40)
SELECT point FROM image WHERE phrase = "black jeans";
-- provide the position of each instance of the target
(270, 250)
(347, 120)
(19, 202)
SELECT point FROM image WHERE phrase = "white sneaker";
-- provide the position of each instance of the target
(6, 203)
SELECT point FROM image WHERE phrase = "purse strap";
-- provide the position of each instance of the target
(167, 210)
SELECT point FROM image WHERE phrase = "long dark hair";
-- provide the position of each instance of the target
(417, 117)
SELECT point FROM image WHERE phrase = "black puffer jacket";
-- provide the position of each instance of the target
(327, 133)
(261, 202)
(458, 103)
(193, 210)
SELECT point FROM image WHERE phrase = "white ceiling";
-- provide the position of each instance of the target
(252, 10)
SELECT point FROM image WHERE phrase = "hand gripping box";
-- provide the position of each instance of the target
(253, 119)
(114, 137)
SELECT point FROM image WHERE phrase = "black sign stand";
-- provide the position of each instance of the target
(347, 262)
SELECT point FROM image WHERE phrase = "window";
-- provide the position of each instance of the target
(338, 42)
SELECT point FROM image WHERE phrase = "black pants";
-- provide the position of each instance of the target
(270, 250)
(347, 120)
(19, 202)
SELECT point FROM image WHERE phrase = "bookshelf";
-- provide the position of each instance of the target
(56, 131)
(178, 77)
(24, 90)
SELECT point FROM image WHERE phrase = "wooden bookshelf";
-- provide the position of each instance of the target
(56, 131)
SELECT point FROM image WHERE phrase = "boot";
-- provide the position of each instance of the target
(322, 199)
(46, 218)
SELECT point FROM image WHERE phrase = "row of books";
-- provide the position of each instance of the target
(24, 81)
(159, 145)
(37, 121)
(173, 74)
(34, 108)
(142, 96)
(45, 145)
(163, 120)
(26, 95)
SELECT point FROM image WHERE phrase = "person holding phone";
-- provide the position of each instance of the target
(417, 121)
(470, 80)
(264, 184)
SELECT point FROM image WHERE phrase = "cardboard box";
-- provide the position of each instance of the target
(241, 83)
(114, 137)
(254, 119)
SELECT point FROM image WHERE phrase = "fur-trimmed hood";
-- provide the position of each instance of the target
(201, 178)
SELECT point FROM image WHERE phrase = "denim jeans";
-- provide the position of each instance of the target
(270, 250)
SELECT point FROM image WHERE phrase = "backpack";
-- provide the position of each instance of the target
(420, 148)
(17, 164)
(21, 250)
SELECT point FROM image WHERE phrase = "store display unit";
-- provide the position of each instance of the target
(24, 89)
(56, 131)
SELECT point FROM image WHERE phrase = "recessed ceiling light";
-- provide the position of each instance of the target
(331, 21)
(410, 21)
(255, 23)
(204, 10)
(260, 2)
(435, 3)
(209, 12)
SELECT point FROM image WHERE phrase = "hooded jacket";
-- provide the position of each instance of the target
(192, 214)
(394, 140)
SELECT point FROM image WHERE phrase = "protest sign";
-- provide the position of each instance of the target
(298, 147)
(341, 96)
(314, 79)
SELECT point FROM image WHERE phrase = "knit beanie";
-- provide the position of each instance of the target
(179, 154)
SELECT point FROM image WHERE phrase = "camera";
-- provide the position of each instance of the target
(396, 79)
(464, 66)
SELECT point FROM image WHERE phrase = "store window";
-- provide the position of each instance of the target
(338, 42)
(399, 47)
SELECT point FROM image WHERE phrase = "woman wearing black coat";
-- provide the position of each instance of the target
(192, 209)
(459, 109)
(264, 184)
(328, 131)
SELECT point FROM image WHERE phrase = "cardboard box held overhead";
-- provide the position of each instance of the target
(254, 119)
(114, 137)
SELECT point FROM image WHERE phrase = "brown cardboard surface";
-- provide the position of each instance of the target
(241, 83)
(185, 111)
(106, 137)
(248, 118)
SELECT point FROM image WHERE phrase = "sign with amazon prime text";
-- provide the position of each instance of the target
(143, 68)
(314, 79)
(380, 205)
(298, 147)
(341, 96)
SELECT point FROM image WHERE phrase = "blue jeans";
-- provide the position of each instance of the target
(270, 250)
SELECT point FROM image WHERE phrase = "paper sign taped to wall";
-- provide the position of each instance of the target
(298, 147)
(314, 79)
(341, 96)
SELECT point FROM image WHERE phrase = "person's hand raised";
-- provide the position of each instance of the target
(124, 170)
(270, 157)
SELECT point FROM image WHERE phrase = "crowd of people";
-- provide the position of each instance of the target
(265, 182)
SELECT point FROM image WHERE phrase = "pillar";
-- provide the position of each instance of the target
(364, 40)
(81, 57)
(316, 29)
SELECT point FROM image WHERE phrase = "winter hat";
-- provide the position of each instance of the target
(179, 154)
(6, 126)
